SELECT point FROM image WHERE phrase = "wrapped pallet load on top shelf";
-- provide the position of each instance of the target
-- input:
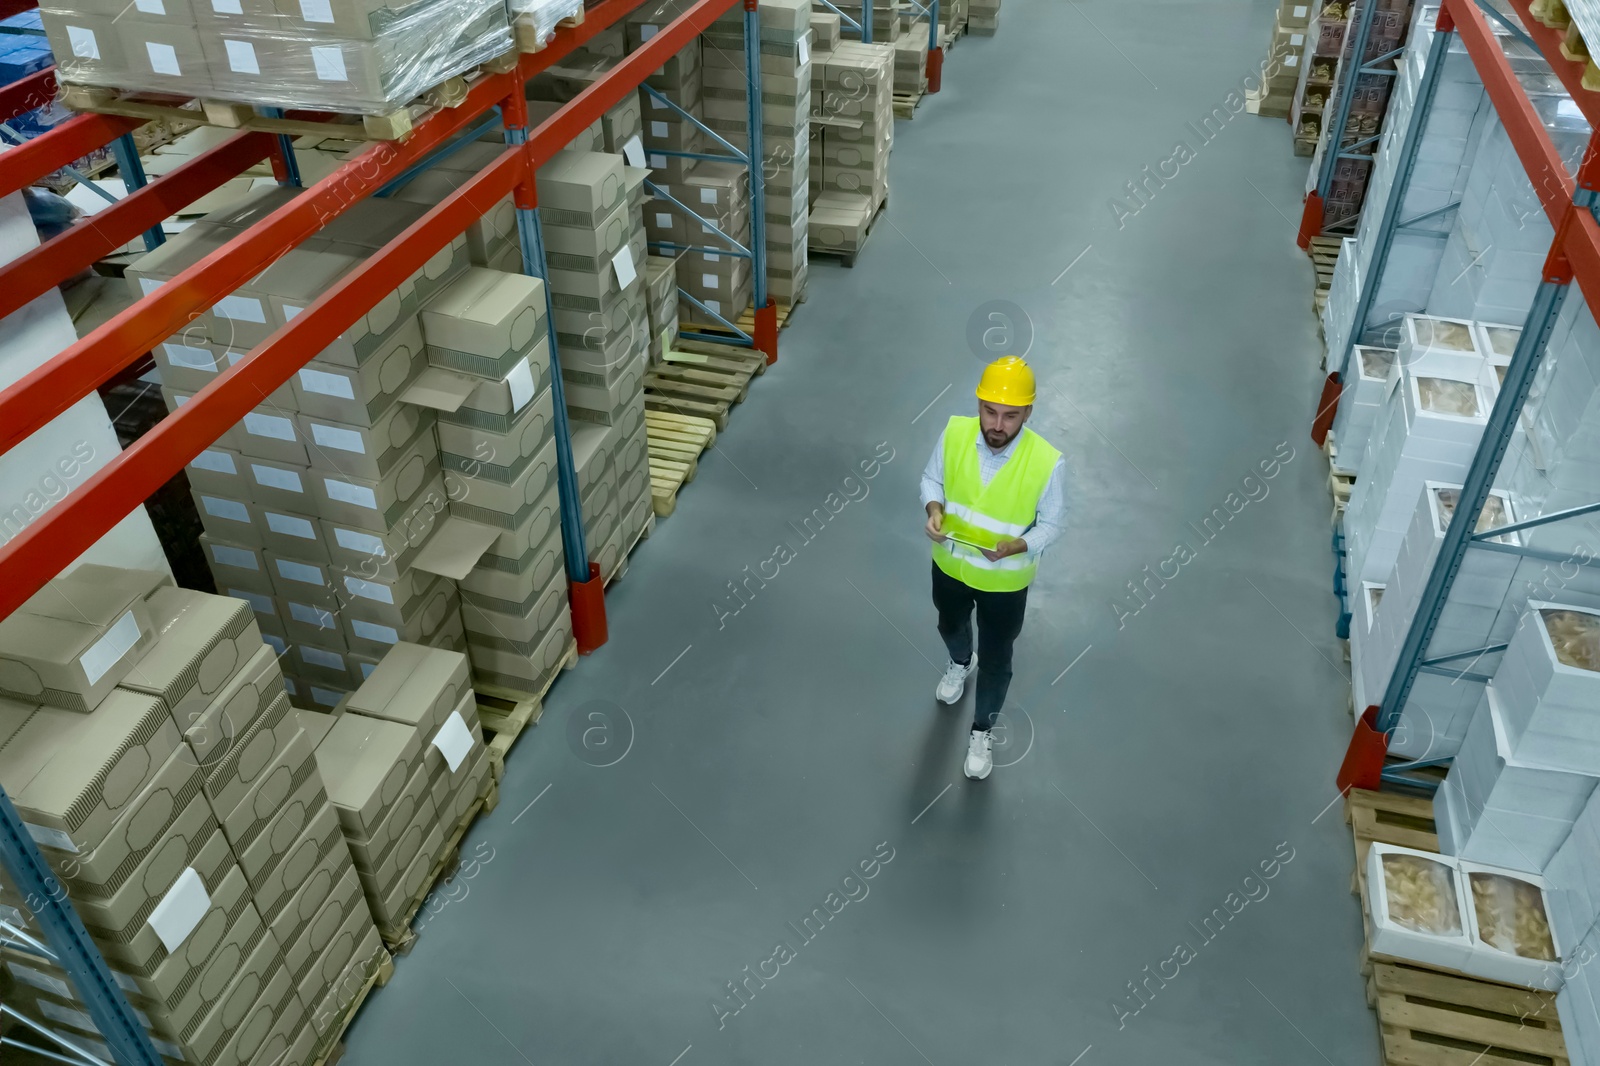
(214, 881)
(369, 57)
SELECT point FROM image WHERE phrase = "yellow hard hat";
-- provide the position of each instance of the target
(1007, 380)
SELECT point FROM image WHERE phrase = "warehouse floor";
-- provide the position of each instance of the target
(719, 769)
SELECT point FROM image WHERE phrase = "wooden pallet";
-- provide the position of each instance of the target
(504, 713)
(400, 939)
(746, 321)
(1427, 1018)
(1324, 252)
(1397, 818)
(394, 125)
(528, 42)
(676, 442)
(332, 1048)
(905, 104)
(621, 569)
(847, 256)
(1553, 14)
(702, 378)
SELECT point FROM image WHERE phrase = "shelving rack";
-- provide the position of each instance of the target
(863, 27)
(1569, 202)
(63, 533)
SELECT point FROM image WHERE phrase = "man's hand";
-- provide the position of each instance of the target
(935, 527)
(1014, 546)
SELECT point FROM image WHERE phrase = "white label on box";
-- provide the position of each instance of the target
(290, 526)
(329, 61)
(180, 910)
(106, 652)
(712, 257)
(369, 590)
(366, 669)
(305, 572)
(520, 382)
(327, 384)
(1300, 11)
(346, 440)
(454, 740)
(330, 660)
(657, 104)
(709, 280)
(316, 10)
(1297, 39)
(311, 615)
(278, 645)
(658, 129)
(84, 46)
(633, 151)
(657, 160)
(230, 556)
(1291, 61)
(344, 492)
(708, 196)
(804, 44)
(163, 58)
(258, 603)
(326, 697)
(150, 7)
(214, 461)
(241, 309)
(360, 542)
(227, 7)
(147, 285)
(373, 631)
(41, 980)
(232, 510)
(46, 837)
(273, 478)
(241, 57)
(647, 31)
(192, 358)
(290, 310)
(715, 306)
(73, 1019)
(664, 219)
(274, 426)
(622, 263)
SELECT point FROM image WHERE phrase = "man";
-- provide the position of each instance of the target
(992, 490)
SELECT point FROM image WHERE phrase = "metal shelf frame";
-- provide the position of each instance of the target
(63, 533)
(1574, 256)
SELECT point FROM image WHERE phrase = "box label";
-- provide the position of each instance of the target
(84, 46)
(311, 615)
(316, 10)
(329, 660)
(329, 61)
(163, 58)
(180, 910)
(232, 510)
(303, 572)
(373, 631)
(258, 603)
(648, 31)
(346, 440)
(633, 151)
(708, 196)
(709, 280)
(290, 526)
(454, 740)
(663, 220)
(241, 57)
(240, 308)
(326, 696)
(360, 542)
(325, 383)
(46, 837)
(229, 556)
(216, 462)
(41, 980)
(804, 45)
(106, 652)
(658, 129)
(278, 645)
(274, 426)
(273, 478)
(191, 358)
(369, 590)
(344, 492)
(520, 382)
(622, 263)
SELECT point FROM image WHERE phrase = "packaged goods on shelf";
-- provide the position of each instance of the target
(661, 303)
(1361, 401)
(369, 58)
(534, 21)
(1417, 911)
(1509, 925)
(1549, 683)
(983, 18)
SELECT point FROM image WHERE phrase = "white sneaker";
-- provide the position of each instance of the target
(954, 681)
(980, 759)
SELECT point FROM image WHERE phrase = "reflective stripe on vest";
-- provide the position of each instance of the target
(1003, 509)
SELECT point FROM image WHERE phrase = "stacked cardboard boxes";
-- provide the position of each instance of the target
(786, 101)
(911, 60)
(661, 303)
(824, 30)
(183, 812)
(851, 144)
(489, 329)
(983, 17)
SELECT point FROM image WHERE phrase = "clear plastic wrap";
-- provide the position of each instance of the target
(535, 20)
(1511, 916)
(1421, 894)
(1445, 396)
(363, 56)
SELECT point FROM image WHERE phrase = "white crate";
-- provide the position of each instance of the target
(1501, 961)
(1550, 706)
(1444, 946)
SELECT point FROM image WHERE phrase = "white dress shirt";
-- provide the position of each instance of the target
(1051, 517)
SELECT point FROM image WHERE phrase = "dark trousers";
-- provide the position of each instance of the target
(999, 622)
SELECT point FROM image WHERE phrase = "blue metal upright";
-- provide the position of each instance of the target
(75, 952)
(1358, 30)
(844, 20)
(132, 171)
(291, 165)
(756, 159)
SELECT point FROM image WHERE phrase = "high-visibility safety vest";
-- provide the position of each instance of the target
(1002, 509)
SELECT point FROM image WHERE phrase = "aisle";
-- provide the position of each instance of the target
(1161, 754)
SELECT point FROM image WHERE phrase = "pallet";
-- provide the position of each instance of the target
(702, 378)
(621, 569)
(528, 42)
(905, 104)
(394, 125)
(1554, 16)
(676, 442)
(400, 940)
(1427, 1018)
(333, 1046)
(505, 712)
(847, 256)
(1324, 252)
(746, 321)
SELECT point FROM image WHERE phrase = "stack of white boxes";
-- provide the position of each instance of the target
(498, 446)
(315, 503)
(204, 878)
(983, 17)
(786, 101)
(1362, 401)
(853, 86)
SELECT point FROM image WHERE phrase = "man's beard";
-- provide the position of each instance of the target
(997, 439)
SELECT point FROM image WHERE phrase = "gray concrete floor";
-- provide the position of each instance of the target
(761, 757)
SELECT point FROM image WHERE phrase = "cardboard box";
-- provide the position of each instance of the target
(530, 672)
(365, 451)
(521, 631)
(220, 726)
(282, 486)
(337, 1000)
(358, 396)
(309, 623)
(308, 898)
(321, 665)
(301, 580)
(365, 764)
(494, 404)
(226, 518)
(297, 536)
(580, 188)
(322, 836)
(260, 1000)
(74, 640)
(428, 616)
(276, 811)
(414, 686)
(464, 446)
(318, 953)
(484, 322)
(381, 856)
(383, 554)
(377, 503)
(390, 603)
(512, 550)
(389, 910)
(121, 924)
(506, 505)
(71, 775)
(230, 779)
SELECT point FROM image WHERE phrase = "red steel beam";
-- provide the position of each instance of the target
(1582, 246)
(40, 270)
(1548, 174)
(28, 93)
(66, 531)
(16, 7)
